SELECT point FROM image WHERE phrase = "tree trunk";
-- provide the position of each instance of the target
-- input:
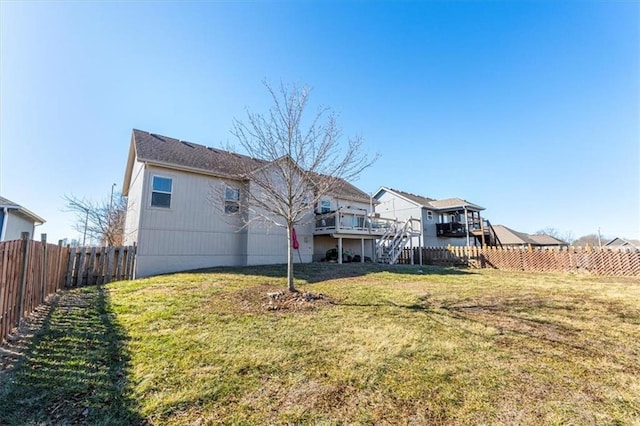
(290, 259)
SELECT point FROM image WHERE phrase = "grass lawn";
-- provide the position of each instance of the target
(401, 345)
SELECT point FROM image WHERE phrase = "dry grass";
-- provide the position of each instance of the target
(406, 345)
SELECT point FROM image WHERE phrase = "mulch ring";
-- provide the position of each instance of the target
(267, 297)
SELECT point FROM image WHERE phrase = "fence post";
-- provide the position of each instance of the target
(70, 266)
(23, 275)
(43, 239)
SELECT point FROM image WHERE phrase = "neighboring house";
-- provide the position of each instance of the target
(618, 243)
(451, 221)
(179, 223)
(15, 219)
(510, 238)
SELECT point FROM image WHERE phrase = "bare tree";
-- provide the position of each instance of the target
(99, 221)
(297, 161)
(566, 236)
(591, 240)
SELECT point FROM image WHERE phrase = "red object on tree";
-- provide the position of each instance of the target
(294, 239)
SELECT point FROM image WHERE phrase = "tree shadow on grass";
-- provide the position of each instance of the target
(76, 369)
(319, 272)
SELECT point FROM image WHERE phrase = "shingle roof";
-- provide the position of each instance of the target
(418, 199)
(508, 236)
(621, 242)
(547, 240)
(451, 203)
(430, 203)
(6, 203)
(163, 150)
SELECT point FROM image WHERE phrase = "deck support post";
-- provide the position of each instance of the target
(340, 250)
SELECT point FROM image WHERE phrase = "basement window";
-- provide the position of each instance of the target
(231, 200)
(161, 189)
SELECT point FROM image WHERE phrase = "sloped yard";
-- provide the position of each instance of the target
(412, 345)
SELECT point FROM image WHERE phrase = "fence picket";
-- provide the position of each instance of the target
(573, 259)
(30, 271)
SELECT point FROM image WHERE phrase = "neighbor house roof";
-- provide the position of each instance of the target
(621, 242)
(509, 237)
(547, 240)
(433, 204)
(174, 153)
(8, 204)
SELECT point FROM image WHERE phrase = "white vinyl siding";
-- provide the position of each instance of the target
(16, 225)
(134, 204)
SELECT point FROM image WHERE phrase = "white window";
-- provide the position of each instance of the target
(429, 215)
(325, 206)
(231, 200)
(161, 189)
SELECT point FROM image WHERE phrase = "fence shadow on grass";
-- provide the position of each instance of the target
(76, 369)
(318, 272)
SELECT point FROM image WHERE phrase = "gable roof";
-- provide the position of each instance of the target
(8, 204)
(430, 203)
(621, 242)
(169, 152)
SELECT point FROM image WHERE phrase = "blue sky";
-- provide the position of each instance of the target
(530, 109)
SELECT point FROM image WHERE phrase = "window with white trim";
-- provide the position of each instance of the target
(429, 215)
(231, 200)
(161, 190)
(325, 206)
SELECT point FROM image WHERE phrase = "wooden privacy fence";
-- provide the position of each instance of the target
(572, 259)
(99, 265)
(30, 271)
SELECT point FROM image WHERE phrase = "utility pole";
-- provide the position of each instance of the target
(86, 221)
(599, 238)
(111, 199)
(110, 216)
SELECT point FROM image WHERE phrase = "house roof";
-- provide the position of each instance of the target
(508, 236)
(547, 240)
(8, 204)
(174, 153)
(433, 204)
(452, 203)
(621, 242)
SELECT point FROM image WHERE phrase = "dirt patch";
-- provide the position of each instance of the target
(265, 298)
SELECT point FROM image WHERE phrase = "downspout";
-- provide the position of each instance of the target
(5, 219)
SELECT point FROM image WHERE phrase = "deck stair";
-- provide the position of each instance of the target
(490, 236)
(397, 237)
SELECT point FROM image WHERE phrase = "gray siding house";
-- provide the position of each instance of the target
(451, 221)
(184, 212)
(15, 219)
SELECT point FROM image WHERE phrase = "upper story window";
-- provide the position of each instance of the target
(161, 190)
(231, 200)
(429, 215)
(325, 206)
